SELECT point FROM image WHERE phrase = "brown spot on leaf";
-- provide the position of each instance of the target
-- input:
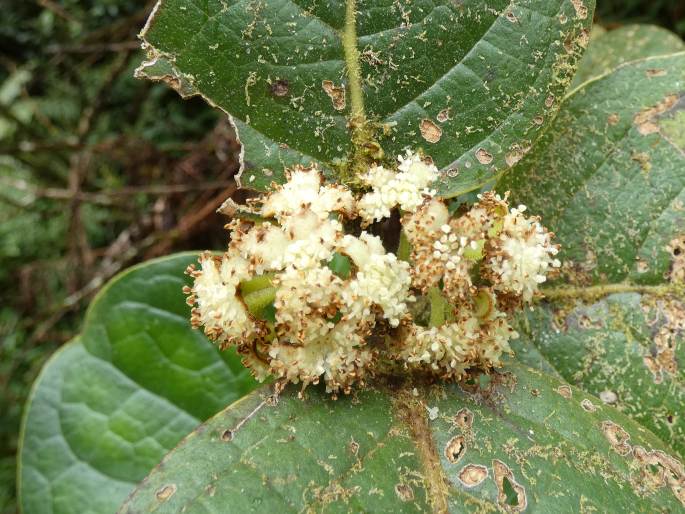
(335, 93)
(643, 159)
(443, 115)
(404, 492)
(565, 391)
(515, 155)
(280, 88)
(455, 449)
(538, 120)
(677, 250)
(227, 436)
(483, 156)
(662, 359)
(511, 17)
(464, 419)
(613, 119)
(430, 131)
(656, 72)
(657, 470)
(646, 120)
(353, 446)
(581, 9)
(506, 485)
(472, 475)
(588, 406)
(549, 101)
(618, 438)
(166, 492)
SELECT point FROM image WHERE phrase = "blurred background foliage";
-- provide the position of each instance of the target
(99, 171)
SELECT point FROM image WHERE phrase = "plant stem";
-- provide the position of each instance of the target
(438, 307)
(349, 41)
(404, 249)
(594, 292)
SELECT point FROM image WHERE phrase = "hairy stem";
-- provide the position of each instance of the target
(349, 41)
(595, 292)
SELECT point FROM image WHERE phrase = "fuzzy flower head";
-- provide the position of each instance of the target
(306, 293)
(406, 188)
(521, 255)
(277, 293)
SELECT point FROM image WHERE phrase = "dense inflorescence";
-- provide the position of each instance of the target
(306, 293)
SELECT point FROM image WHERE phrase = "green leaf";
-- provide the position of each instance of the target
(607, 179)
(610, 49)
(398, 450)
(607, 176)
(625, 348)
(471, 82)
(109, 405)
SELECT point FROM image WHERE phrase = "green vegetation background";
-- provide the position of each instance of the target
(99, 171)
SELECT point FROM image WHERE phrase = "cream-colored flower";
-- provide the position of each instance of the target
(447, 351)
(522, 255)
(406, 189)
(215, 294)
(381, 281)
(304, 191)
(275, 296)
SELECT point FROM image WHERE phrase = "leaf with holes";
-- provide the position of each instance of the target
(523, 441)
(471, 82)
(607, 178)
(109, 405)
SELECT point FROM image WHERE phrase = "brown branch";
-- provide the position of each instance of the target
(111, 197)
(93, 48)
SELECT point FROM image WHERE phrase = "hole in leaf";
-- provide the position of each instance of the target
(512, 497)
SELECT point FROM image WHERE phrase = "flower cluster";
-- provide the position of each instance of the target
(306, 293)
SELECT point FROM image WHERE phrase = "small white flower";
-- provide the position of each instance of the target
(381, 281)
(218, 308)
(523, 255)
(304, 192)
(406, 189)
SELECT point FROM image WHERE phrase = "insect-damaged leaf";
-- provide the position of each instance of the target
(608, 50)
(608, 179)
(471, 82)
(525, 441)
(108, 406)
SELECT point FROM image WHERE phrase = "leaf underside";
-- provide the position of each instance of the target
(108, 406)
(433, 449)
(471, 82)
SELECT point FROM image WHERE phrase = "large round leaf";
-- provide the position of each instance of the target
(109, 405)
(470, 81)
(523, 441)
(608, 180)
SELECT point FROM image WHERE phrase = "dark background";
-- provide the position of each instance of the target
(99, 171)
